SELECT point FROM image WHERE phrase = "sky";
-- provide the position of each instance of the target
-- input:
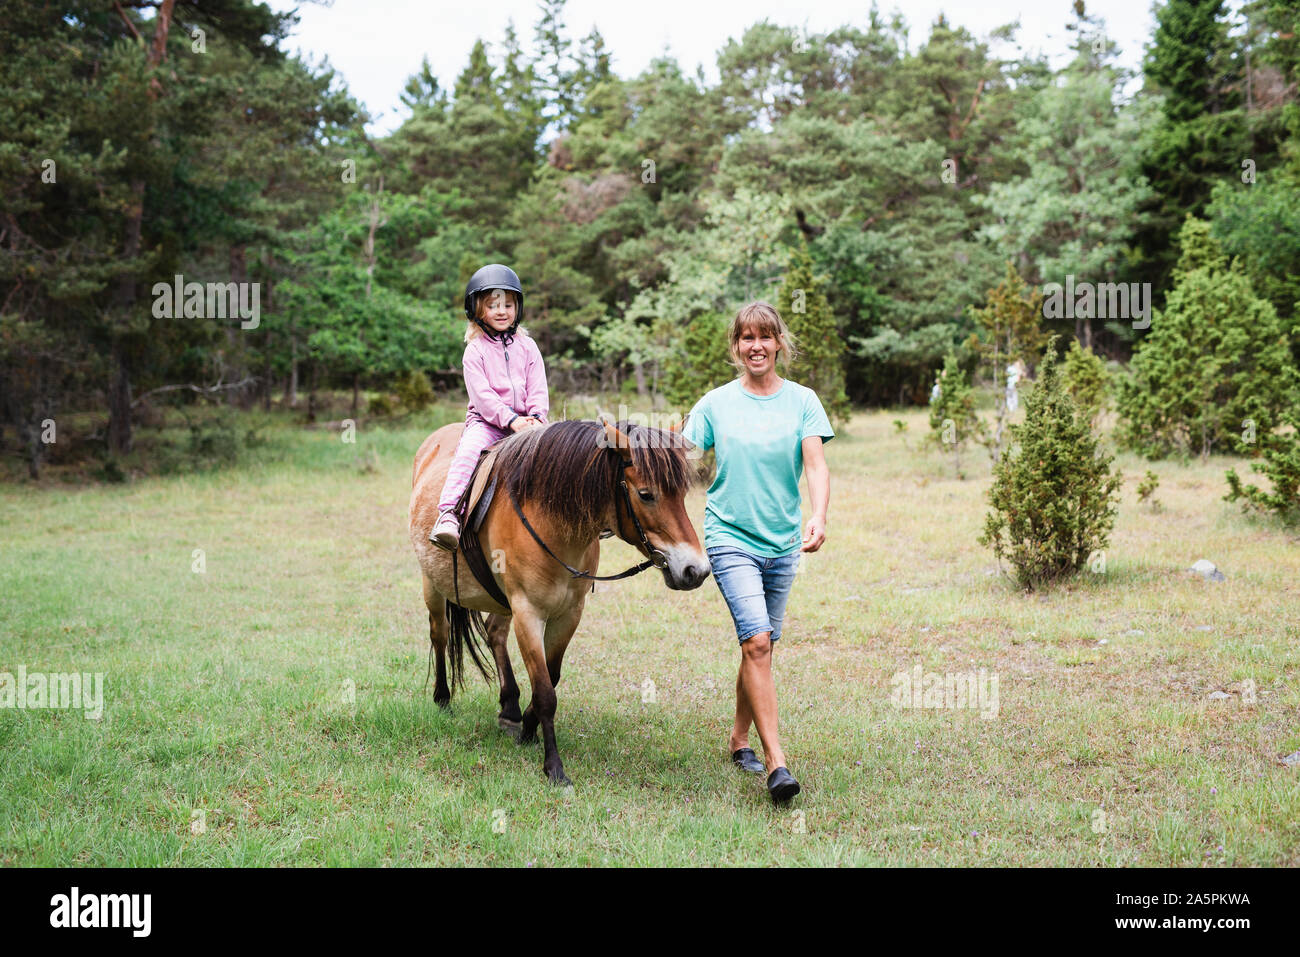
(377, 44)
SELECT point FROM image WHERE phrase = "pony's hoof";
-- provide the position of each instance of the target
(512, 728)
(560, 782)
(444, 703)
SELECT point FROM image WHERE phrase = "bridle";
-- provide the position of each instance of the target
(657, 558)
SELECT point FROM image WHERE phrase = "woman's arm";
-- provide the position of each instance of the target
(819, 487)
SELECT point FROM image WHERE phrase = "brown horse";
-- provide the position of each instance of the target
(567, 481)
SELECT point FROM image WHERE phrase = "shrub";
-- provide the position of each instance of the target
(1054, 496)
(381, 406)
(1216, 359)
(1087, 381)
(415, 391)
(1147, 487)
(1282, 467)
(953, 421)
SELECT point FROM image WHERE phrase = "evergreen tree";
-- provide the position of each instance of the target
(1215, 365)
(1087, 381)
(557, 75)
(1054, 498)
(1074, 210)
(701, 361)
(1009, 330)
(953, 421)
(1260, 223)
(1201, 136)
(1281, 465)
(820, 347)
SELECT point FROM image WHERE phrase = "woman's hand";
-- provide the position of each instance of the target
(814, 534)
(523, 422)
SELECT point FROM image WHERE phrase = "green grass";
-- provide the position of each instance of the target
(224, 693)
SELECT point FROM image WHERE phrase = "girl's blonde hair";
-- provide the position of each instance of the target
(763, 318)
(472, 330)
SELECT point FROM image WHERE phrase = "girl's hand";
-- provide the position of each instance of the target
(814, 535)
(523, 422)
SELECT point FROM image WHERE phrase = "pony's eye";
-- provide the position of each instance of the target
(646, 496)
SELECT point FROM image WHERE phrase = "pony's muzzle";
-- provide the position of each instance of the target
(685, 572)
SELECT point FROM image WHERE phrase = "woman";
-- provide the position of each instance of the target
(765, 430)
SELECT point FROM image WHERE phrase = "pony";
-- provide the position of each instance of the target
(559, 488)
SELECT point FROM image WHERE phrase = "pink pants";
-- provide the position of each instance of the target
(477, 436)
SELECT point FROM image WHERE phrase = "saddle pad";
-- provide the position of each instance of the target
(478, 482)
(473, 508)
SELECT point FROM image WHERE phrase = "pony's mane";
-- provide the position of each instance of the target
(569, 469)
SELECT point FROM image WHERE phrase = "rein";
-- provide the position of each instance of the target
(657, 558)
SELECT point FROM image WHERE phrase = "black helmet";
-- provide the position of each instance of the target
(494, 276)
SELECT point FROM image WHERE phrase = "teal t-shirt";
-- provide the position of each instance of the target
(753, 504)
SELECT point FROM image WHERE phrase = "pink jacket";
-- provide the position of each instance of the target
(505, 382)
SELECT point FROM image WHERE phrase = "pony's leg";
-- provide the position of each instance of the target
(530, 631)
(559, 632)
(439, 634)
(498, 629)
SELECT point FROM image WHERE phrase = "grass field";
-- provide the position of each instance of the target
(228, 738)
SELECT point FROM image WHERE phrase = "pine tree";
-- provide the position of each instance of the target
(820, 348)
(1054, 497)
(1215, 363)
(1202, 134)
(556, 62)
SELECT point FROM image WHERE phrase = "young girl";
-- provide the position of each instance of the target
(505, 378)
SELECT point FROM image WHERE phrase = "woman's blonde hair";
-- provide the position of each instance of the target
(763, 318)
(472, 329)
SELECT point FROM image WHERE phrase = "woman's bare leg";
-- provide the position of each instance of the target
(756, 697)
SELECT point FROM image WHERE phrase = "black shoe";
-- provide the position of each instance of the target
(782, 785)
(747, 760)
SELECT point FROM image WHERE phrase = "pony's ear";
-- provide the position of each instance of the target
(614, 439)
(678, 426)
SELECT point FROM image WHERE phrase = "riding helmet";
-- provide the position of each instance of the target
(494, 276)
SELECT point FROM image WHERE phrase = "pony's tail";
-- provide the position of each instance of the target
(468, 630)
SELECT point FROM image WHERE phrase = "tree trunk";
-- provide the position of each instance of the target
(356, 389)
(119, 393)
(236, 365)
(119, 401)
(267, 262)
(311, 394)
(291, 381)
(266, 372)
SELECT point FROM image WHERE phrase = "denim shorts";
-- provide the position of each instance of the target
(755, 588)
